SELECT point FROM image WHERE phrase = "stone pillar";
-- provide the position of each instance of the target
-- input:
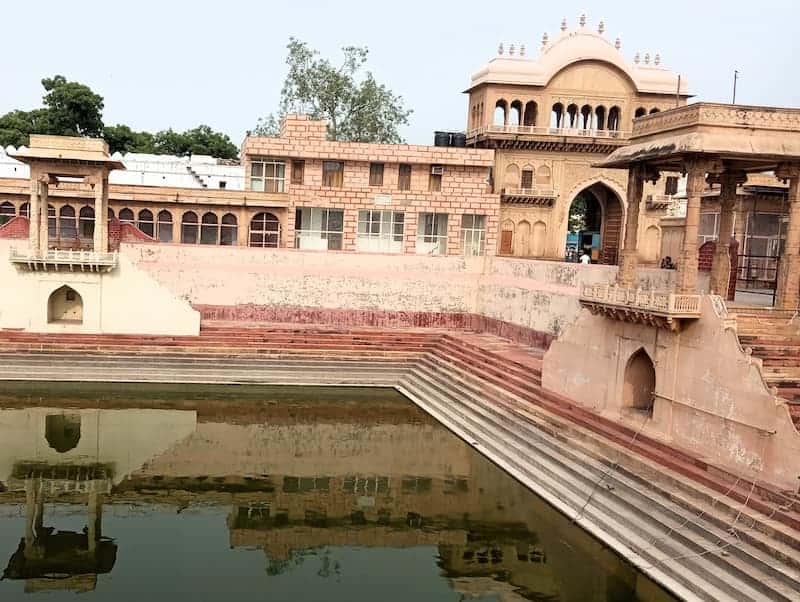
(94, 518)
(34, 213)
(44, 235)
(696, 170)
(629, 256)
(788, 293)
(101, 214)
(721, 264)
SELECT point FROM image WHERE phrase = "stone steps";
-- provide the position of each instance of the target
(568, 476)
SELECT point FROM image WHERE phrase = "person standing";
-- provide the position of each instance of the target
(585, 259)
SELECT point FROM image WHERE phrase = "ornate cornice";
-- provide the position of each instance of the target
(718, 115)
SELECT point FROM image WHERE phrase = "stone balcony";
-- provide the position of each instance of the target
(662, 309)
(544, 196)
(534, 137)
(56, 260)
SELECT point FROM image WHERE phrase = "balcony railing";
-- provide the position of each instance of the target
(538, 191)
(548, 131)
(57, 260)
(655, 308)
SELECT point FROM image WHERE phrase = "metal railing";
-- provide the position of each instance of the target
(758, 274)
(663, 302)
(548, 131)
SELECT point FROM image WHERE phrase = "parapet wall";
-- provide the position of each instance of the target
(517, 296)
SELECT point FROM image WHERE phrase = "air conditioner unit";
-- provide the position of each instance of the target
(437, 170)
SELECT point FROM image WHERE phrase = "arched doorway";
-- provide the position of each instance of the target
(65, 305)
(639, 386)
(594, 225)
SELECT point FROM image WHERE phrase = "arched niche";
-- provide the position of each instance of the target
(65, 305)
(62, 431)
(639, 385)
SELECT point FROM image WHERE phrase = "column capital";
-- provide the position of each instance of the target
(646, 172)
(702, 165)
(727, 178)
(787, 171)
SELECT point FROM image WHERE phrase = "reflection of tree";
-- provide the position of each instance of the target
(328, 568)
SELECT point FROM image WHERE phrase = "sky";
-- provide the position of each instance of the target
(178, 64)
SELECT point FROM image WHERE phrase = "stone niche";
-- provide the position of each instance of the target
(708, 395)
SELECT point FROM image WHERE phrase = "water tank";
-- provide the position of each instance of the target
(458, 139)
(441, 139)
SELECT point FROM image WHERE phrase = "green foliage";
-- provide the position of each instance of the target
(356, 106)
(577, 214)
(72, 109)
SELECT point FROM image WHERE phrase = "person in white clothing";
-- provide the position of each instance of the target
(585, 259)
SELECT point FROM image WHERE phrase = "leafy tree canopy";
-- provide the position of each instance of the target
(73, 109)
(356, 106)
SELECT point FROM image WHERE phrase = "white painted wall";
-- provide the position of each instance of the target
(124, 301)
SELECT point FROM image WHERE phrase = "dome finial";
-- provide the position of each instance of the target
(647, 57)
(636, 57)
(657, 60)
(601, 27)
(582, 19)
(564, 24)
(545, 39)
(618, 43)
(500, 49)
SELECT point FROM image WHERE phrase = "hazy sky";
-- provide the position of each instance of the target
(178, 64)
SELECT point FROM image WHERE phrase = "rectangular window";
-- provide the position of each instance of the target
(268, 176)
(380, 231)
(404, 177)
(435, 181)
(708, 228)
(332, 174)
(432, 234)
(376, 174)
(298, 171)
(527, 179)
(671, 185)
(472, 234)
(319, 229)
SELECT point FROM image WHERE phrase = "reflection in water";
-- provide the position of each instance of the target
(348, 494)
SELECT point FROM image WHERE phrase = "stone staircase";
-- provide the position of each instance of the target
(700, 531)
(773, 335)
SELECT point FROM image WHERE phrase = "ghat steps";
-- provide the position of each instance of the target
(773, 335)
(488, 391)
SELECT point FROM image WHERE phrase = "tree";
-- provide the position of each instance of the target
(356, 107)
(121, 138)
(73, 109)
(17, 126)
(201, 140)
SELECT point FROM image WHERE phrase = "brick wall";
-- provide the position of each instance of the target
(16, 228)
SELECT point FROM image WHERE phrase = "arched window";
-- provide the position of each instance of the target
(515, 118)
(586, 117)
(189, 228)
(572, 116)
(526, 181)
(654, 110)
(126, 216)
(522, 244)
(209, 229)
(110, 213)
(229, 230)
(86, 221)
(264, 230)
(7, 212)
(530, 113)
(145, 222)
(640, 112)
(613, 119)
(68, 228)
(164, 226)
(600, 117)
(557, 116)
(25, 210)
(501, 112)
(640, 383)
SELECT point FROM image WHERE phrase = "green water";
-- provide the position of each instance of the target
(126, 492)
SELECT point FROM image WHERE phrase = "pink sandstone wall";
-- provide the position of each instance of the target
(530, 301)
(710, 396)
